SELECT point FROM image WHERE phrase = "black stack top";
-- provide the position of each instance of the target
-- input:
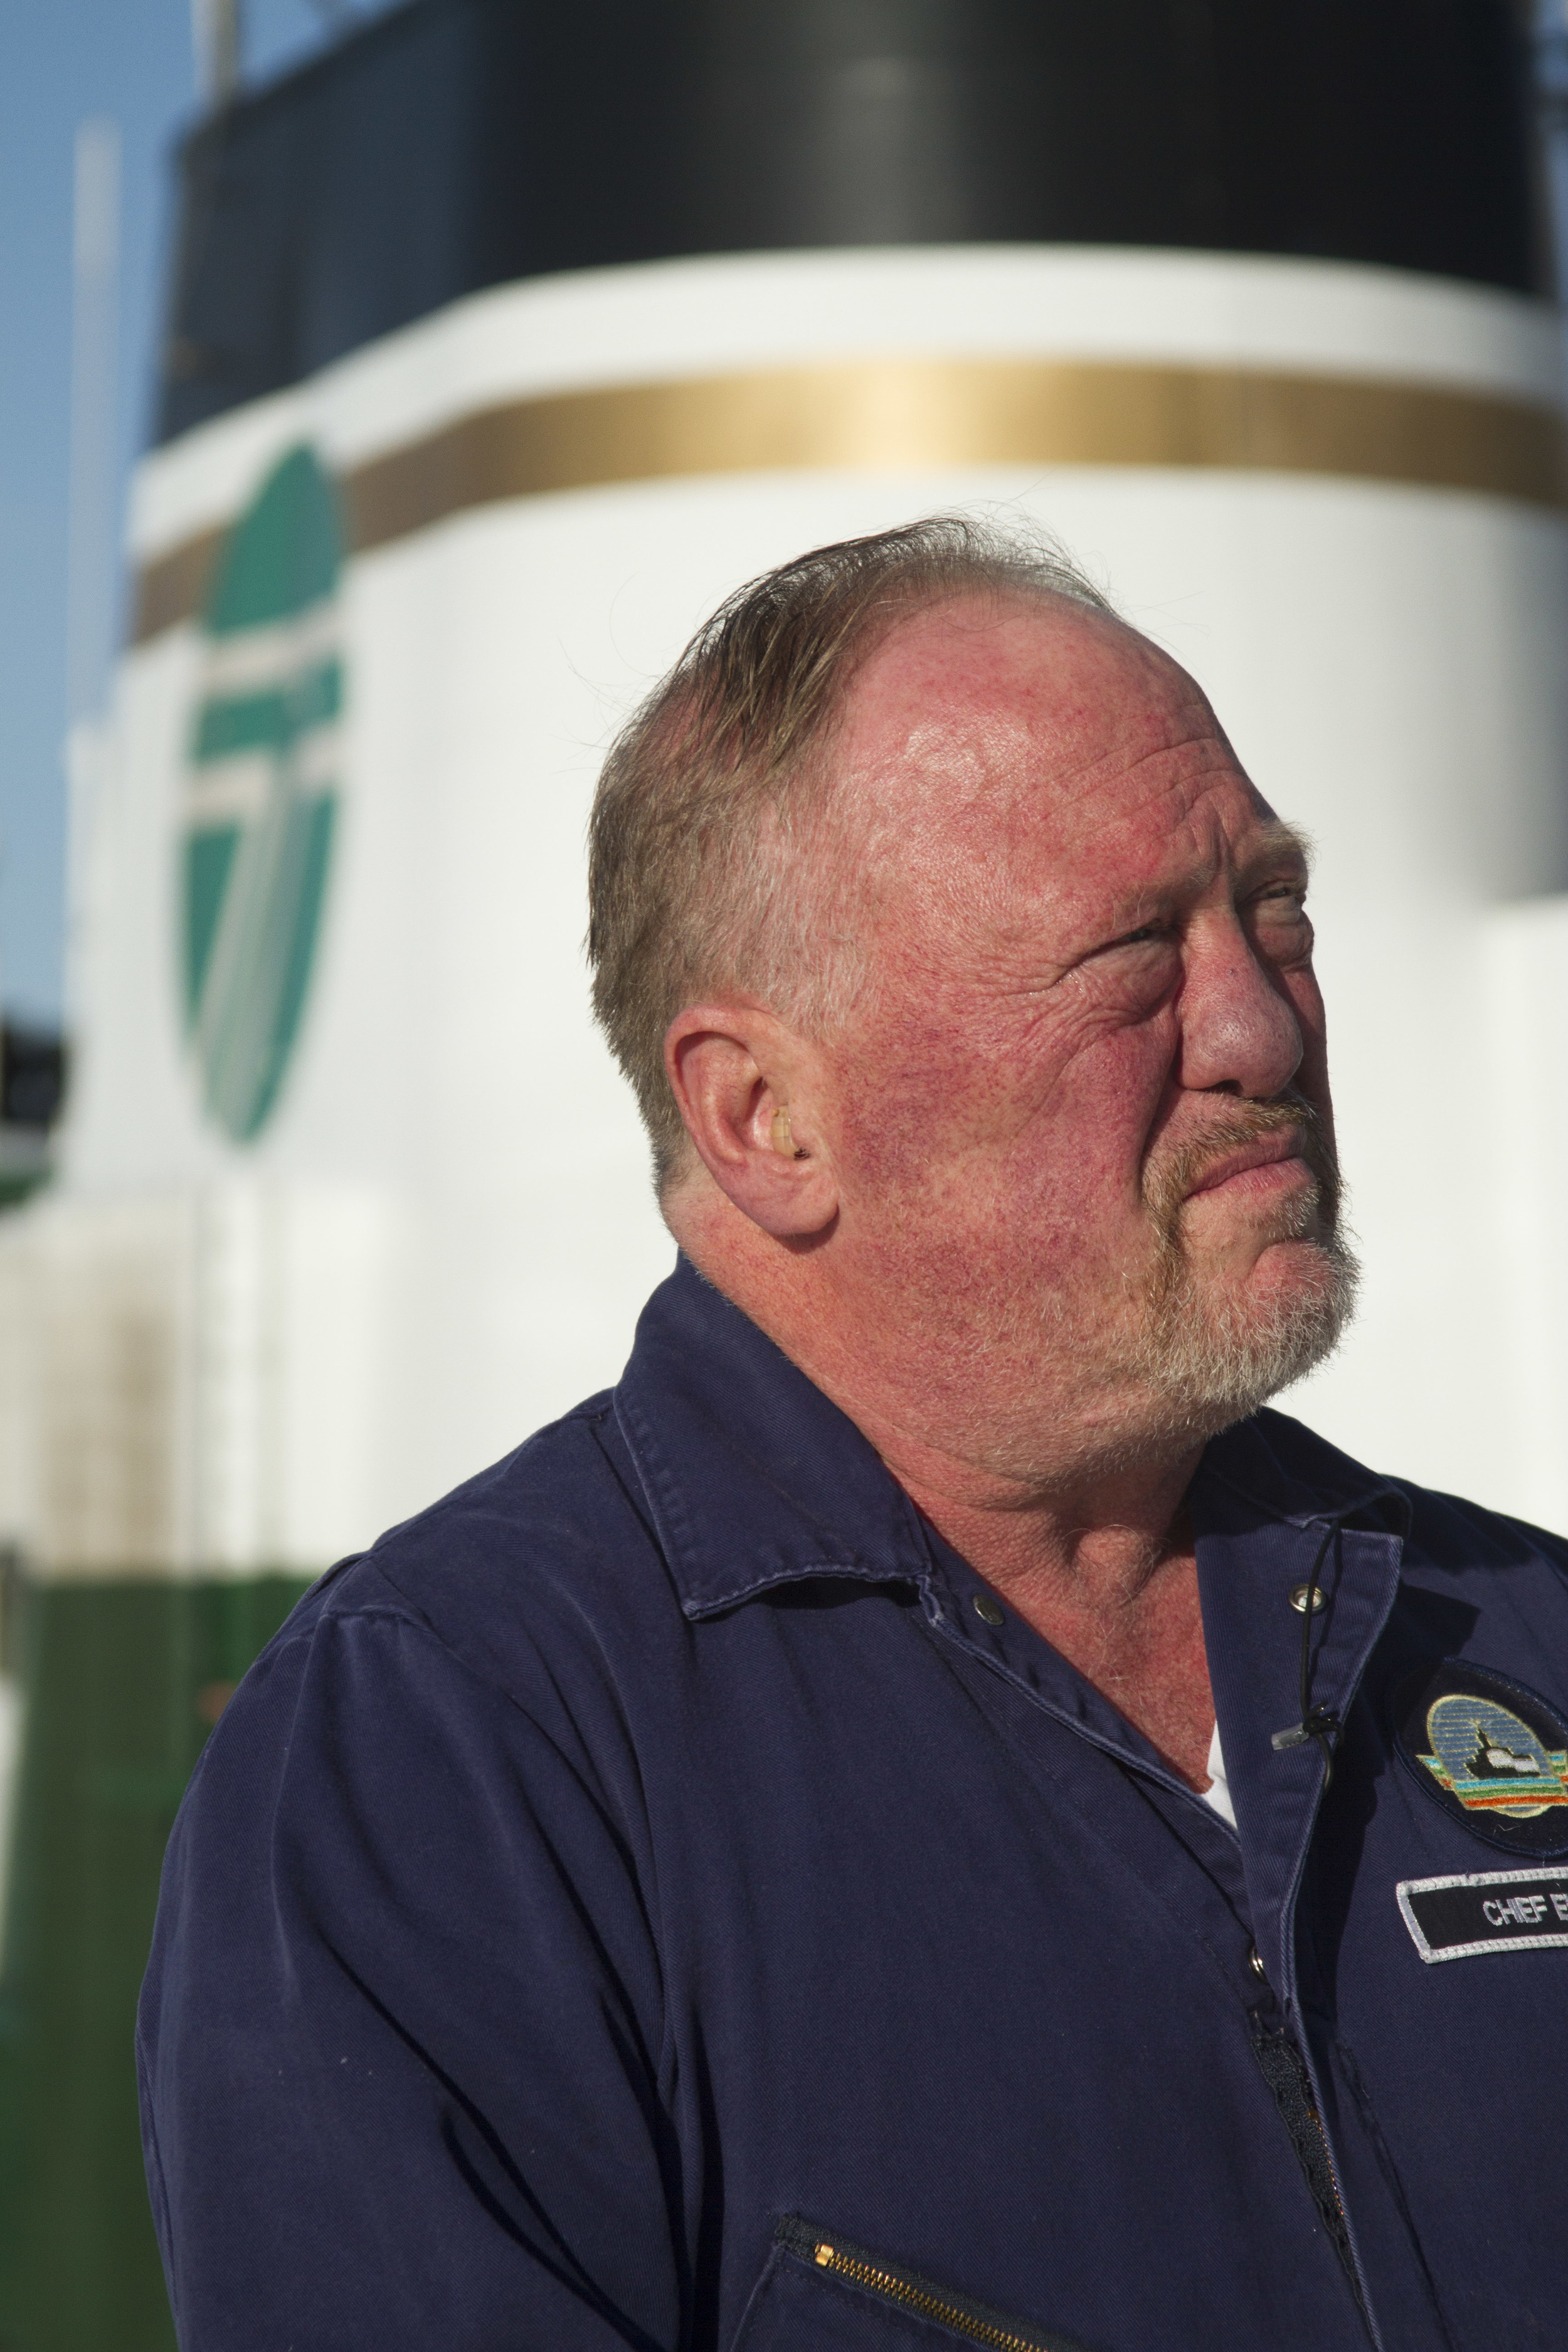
(454, 144)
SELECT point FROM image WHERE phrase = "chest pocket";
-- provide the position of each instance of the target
(820, 2293)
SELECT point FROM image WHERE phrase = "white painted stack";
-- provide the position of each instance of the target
(255, 1354)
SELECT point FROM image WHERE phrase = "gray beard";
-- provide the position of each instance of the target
(1215, 1362)
(1204, 1362)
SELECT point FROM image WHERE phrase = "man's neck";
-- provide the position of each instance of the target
(1095, 1556)
(1110, 1582)
(1103, 1567)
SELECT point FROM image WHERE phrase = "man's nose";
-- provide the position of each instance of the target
(1239, 1029)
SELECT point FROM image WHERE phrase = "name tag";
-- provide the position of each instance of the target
(1490, 1911)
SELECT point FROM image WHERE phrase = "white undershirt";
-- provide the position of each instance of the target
(1217, 1793)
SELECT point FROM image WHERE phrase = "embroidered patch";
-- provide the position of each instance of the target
(1455, 1919)
(1490, 1752)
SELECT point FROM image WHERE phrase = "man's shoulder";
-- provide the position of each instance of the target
(1446, 1532)
(551, 1545)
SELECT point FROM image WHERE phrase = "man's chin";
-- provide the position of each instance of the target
(1215, 1348)
(1294, 1267)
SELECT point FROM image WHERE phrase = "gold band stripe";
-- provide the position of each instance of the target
(910, 415)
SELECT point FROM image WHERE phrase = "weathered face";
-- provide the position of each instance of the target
(1081, 1110)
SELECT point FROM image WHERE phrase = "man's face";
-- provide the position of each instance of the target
(1080, 1113)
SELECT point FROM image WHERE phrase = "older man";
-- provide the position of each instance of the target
(922, 1817)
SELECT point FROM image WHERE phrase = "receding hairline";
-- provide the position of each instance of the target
(907, 606)
(991, 601)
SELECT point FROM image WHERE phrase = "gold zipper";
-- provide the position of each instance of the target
(1334, 2175)
(829, 2257)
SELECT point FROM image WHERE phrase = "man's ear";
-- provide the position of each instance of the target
(748, 1087)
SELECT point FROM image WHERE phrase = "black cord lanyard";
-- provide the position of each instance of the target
(1319, 1723)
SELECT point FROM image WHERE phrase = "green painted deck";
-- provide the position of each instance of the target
(122, 1679)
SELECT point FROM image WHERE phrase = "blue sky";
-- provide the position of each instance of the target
(62, 62)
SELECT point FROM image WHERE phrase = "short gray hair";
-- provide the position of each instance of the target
(689, 895)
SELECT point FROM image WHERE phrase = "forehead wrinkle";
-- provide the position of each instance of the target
(1183, 758)
(964, 768)
(948, 790)
(990, 860)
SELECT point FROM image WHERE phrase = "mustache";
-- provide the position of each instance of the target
(1168, 1179)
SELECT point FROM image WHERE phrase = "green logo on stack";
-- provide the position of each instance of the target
(262, 790)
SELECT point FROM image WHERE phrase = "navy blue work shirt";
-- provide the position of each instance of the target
(660, 1897)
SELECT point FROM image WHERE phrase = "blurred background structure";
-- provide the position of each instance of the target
(499, 342)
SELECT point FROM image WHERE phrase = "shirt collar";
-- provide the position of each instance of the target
(1291, 1474)
(755, 1478)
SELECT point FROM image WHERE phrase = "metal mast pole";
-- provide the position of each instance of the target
(217, 34)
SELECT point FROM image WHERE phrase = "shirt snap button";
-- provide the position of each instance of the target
(991, 1610)
(1298, 1598)
(1255, 1962)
